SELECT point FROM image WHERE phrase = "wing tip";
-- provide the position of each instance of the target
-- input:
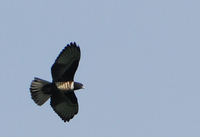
(73, 44)
(64, 117)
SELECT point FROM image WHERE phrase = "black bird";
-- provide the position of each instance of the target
(61, 90)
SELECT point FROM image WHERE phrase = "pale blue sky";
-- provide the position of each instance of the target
(140, 67)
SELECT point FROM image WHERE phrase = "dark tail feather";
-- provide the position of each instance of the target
(37, 93)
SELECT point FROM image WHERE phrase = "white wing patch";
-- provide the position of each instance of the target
(65, 85)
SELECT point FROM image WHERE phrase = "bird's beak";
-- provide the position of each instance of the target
(83, 87)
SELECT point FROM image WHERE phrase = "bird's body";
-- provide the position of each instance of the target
(61, 90)
(65, 86)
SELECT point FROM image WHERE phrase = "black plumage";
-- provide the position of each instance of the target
(61, 90)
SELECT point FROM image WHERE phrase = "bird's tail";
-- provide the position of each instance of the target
(37, 91)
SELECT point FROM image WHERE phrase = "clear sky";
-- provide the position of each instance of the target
(140, 66)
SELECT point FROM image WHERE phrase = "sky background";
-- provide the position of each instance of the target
(140, 66)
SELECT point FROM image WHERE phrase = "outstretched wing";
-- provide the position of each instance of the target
(66, 63)
(65, 105)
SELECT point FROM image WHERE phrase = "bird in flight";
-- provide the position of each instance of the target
(61, 89)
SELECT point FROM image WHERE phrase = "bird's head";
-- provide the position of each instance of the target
(78, 86)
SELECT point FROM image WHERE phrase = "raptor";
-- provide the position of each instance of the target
(61, 89)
